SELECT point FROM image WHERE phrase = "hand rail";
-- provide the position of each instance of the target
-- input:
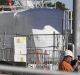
(33, 71)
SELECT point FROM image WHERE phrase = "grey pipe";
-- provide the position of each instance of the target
(77, 27)
(33, 71)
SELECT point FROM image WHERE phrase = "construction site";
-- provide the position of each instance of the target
(35, 36)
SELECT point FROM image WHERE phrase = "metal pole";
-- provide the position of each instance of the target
(53, 49)
(28, 71)
(55, 4)
(71, 22)
(77, 27)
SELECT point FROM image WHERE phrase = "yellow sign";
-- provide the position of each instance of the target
(20, 45)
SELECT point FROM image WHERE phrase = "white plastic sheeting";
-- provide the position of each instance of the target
(27, 3)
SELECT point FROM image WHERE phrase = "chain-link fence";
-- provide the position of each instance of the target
(43, 51)
(6, 54)
(47, 59)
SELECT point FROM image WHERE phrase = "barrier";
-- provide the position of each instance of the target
(18, 70)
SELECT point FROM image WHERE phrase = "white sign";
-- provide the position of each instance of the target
(20, 58)
(20, 45)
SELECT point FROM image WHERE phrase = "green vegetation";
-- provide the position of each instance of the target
(3, 2)
(59, 5)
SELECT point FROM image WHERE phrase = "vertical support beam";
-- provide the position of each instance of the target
(55, 4)
(71, 22)
(77, 27)
(64, 26)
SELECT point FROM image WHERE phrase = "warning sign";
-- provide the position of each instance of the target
(20, 45)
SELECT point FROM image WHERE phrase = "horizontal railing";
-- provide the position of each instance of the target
(28, 71)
